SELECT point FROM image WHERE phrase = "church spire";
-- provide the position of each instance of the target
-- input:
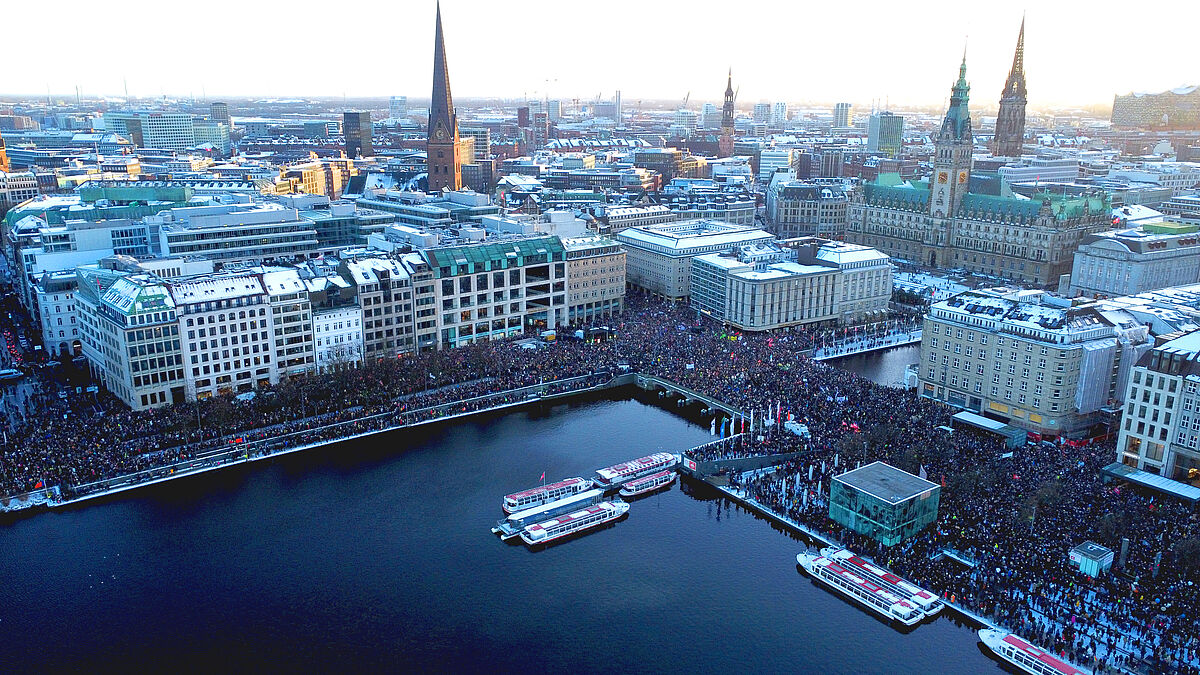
(443, 147)
(1010, 120)
(957, 124)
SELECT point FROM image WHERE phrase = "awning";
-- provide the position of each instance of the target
(1153, 481)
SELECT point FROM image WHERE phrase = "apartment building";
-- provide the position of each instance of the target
(1160, 427)
(291, 320)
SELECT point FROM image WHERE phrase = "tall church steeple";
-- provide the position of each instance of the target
(725, 140)
(442, 148)
(952, 151)
(1010, 121)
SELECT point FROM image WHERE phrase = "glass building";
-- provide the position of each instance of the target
(883, 502)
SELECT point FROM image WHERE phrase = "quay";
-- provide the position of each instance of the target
(864, 346)
(224, 455)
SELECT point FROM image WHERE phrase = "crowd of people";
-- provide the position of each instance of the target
(1015, 517)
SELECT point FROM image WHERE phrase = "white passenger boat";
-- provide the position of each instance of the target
(527, 499)
(516, 522)
(929, 603)
(654, 481)
(1026, 656)
(617, 474)
(574, 523)
(854, 585)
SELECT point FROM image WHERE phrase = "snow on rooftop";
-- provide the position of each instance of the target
(213, 288)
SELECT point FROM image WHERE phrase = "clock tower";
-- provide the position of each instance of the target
(443, 147)
(953, 146)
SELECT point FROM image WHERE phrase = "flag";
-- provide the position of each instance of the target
(39, 485)
(543, 478)
(922, 473)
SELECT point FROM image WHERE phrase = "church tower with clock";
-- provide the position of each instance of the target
(952, 152)
(443, 147)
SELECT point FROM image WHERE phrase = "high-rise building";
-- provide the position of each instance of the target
(219, 112)
(152, 129)
(523, 116)
(541, 130)
(398, 107)
(885, 134)
(483, 144)
(617, 105)
(356, 127)
(762, 112)
(952, 151)
(842, 114)
(725, 141)
(779, 114)
(554, 110)
(1010, 121)
(444, 164)
(4, 165)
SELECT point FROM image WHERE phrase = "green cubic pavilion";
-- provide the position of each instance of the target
(883, 502)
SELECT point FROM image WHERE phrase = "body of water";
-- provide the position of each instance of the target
(378, 554)
(885, 367)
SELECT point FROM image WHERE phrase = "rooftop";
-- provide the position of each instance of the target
(886, 482)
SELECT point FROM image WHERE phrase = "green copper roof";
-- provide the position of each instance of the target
(472, 258)
(957, 124)
(903, 196)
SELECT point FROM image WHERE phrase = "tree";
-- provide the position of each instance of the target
(1187, 554)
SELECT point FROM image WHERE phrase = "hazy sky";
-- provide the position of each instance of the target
(794, 50)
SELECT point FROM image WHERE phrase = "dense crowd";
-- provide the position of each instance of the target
(1015, 517)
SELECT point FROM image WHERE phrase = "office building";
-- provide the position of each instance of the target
(5, 166)
(614, 219)
(152, 129)
(659, 257)
(804, 209)
(885, 134)
(483, 144)
(843, 115)
(398, 107)
(1010, 120)
(1159, 432)
(16, 187)
(595, 277)
(772, 161)
(356, 128)
(228, 233)
(1134, 260)
(779, 115)
(1028, 359)
(219, 112)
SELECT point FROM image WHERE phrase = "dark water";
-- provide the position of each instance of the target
(379, 556)
(884, 367)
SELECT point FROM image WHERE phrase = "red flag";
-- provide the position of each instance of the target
(39, 485)
(543, 478)
(943, 480)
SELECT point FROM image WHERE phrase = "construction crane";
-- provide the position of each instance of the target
(685, 100)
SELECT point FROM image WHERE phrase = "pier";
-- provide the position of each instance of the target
(867, 344)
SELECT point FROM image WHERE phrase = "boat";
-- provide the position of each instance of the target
(929, 603)
(868, 593)
(574, 523)
(1026, 656)
(617, 474)
(654, 481)
(543, 494)
(513, 525)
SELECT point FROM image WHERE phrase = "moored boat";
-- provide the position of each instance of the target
(866, 592)
(515, 523)
(574, 523)
(543, 494)
(654, 481)
(1027, 656)
(929, 603)
(618, 474)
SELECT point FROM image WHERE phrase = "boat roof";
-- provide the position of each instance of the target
(1043, 656)
(883, 573)
(624, 468)
(574, 515)
(585, 496)
(646, 479)
(545, 488)
(865, 584)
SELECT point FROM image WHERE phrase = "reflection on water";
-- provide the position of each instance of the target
(885, 367)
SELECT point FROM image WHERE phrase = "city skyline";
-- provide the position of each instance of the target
(928, 51)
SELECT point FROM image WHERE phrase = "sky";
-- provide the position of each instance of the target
(902, 53)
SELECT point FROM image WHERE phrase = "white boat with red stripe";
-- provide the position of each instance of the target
(1026, 656)
(857, 586)
(574, 523)
(929, 603)
(640, 486)
(544, 494)
(618, 474)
